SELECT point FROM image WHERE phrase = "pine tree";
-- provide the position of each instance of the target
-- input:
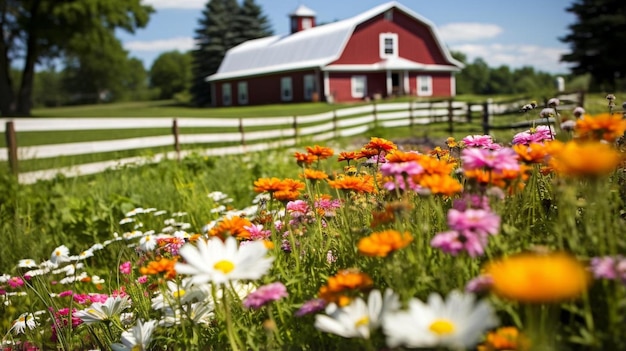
(224, 24)
(595, 40)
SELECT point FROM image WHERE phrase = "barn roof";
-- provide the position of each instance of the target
(314, 47)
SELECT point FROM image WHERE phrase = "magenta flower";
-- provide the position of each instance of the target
(143, 279)
(481, 222)
(479, 284)
(15, 282)
(327, 206)
(534, 135)
(126, 268)
(311, 306)
(471, 201)
(264, 295)
(481, 142)
(297, 208)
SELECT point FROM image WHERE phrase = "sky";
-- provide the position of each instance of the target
(515, 33)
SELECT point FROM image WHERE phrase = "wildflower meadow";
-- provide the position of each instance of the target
(476, 244)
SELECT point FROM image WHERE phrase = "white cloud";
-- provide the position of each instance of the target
(516, 56)
(455, 32)
(176, 4)
(178, 43)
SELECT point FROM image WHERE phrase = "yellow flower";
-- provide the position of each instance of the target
(538, 277)
(604, 126)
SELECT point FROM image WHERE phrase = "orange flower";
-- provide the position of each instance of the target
(348, 156)
(233, 226)
(367, 153)
(531, 153)
(451, 142)
(441, 184)
(321, 152)
(401, 156)
(380, 144)
(392, 210)
(433, 165)
(364, 184)
(383, 243)
(604, 126)
(302, 158)
(485, 177)
(586, 159)
(505, 338)
(313, 174)
(538, 277)
(162, 265)
(338, 286)
(267, 185)
(286, 195)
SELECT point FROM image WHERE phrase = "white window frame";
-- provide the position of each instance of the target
(424, 85)
(307, 23)
(227, 94)
(358, 86)
(286, 89)
(308, 82)
(242, 93)
(383, 45)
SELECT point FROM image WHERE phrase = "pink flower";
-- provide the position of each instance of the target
(126, 268)
(297, 208)
(257, 232)
(143, 279)
(479, 284)
(66, 293)
(604, 267)
(497, 160)
(480, 141)
(327, 206)
(401, 168)
(15, 282)
(264, 295)
(534, 135)
(481, 222)
(454, 242)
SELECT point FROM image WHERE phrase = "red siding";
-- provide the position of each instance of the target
(266, 89)
(415, 42)
(441, 83)
(341, 85)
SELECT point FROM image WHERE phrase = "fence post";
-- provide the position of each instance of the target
(243, 139)
(469, 113)
(375, 114)
(581, 98)
(411, 115)
(176, 138)
(335, 123)
(11, 140)
(450, 118)
(295, 129)
(486, 118)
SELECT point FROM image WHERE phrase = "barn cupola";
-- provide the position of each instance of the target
(302, 18)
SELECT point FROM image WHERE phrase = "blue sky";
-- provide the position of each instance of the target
(512, 32)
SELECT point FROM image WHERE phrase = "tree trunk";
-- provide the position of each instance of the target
(6, 86)
(25, 94)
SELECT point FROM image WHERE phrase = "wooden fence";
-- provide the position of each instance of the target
(251, 134)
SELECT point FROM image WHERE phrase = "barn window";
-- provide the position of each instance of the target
(286, 90)
(388, 45)
(226, 94)
(359, 86)
(424, 85)
(309, 87)
(242, 93)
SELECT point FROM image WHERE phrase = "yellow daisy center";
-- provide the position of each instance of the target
(442, 327)
(225, 266)
(136, 348)
(363, 321)
(178, 293)
(58, 252)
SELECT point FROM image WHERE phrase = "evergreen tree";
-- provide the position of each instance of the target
(595, 39)
(222, 26)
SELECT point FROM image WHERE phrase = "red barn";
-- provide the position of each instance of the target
(386, 51)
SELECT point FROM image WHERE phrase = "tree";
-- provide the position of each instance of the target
(36, 30)
(594, 38)
(222, 26)
(171, 73)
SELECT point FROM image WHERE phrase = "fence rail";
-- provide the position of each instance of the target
(250, 134)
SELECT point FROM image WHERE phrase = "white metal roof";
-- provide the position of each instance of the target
(314, 47)
(303, 11)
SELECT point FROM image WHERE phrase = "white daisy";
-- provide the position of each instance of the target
(137, 338)
(457, 322)
(198, 313)
(221, 262)
(103, 311)
(25, 320)
(27, 263)
(147, 243)
(357, 319)
(177, 294)
(134, 212)
(60, 254)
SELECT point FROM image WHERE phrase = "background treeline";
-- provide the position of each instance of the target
(84, 63)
